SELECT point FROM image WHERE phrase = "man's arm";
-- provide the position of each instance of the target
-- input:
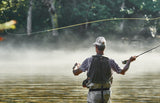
(82, 68)
(117, 69)
(126, 67)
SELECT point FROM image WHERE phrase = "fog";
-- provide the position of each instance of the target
(60, 62)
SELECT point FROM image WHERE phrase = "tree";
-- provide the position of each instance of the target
(141, 9)
(16, 10)
(49, 14)
(29, 18)
(81, 11)
(52, 12)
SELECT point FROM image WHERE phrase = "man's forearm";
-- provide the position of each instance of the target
(126, 67)
(128, 64)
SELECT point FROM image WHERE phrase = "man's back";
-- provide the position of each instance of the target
(100, 71)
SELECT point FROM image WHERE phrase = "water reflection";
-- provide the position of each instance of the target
(137, 89)
(68, 89)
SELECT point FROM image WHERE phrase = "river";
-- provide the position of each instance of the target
(46, 77)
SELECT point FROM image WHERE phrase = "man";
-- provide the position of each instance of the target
(99, 73)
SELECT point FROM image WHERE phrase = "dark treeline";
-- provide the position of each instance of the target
(38, 15)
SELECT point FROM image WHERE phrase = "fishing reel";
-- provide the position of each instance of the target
(124, 62)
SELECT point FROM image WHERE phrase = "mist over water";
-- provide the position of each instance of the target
(35, 61)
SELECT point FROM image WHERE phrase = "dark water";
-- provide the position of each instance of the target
(67, 89)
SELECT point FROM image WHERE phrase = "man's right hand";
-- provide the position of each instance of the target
(133, 58)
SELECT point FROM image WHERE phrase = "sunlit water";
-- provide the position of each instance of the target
(64, 89)
(46, 77)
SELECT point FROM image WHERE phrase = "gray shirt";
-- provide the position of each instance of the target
(87, 62)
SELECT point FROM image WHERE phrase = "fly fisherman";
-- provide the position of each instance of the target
(99, 73)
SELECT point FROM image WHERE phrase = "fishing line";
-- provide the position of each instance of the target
(96, 21)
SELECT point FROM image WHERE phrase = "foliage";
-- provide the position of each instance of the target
(13, 9)
(8, 25)
(80, 11)
(70, 12)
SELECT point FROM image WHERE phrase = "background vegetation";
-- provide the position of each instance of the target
(49, 14)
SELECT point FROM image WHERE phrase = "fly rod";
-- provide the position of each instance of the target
(125, 61)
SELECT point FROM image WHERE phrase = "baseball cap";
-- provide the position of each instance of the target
(100, 41)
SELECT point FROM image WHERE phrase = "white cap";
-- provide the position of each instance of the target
(100, 41)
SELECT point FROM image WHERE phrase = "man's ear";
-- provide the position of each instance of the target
(96, 46)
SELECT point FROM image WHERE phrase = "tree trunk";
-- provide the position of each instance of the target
(52, 12)
(123, 22)
(29, 18)
(158, 25)
(88, 10)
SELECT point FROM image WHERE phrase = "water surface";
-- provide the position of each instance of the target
(67, 89)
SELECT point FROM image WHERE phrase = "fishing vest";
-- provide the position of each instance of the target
(99, 71)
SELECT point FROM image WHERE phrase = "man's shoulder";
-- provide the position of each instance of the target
(88, 59)
(110, 60)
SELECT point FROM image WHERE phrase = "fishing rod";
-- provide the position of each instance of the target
(125, 61)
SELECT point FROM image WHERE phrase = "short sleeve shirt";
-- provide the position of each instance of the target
(87, 62)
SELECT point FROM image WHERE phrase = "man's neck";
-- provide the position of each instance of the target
(100, 53)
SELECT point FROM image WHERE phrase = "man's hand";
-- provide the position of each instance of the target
(133, 58)
(76, 66)
(76, 69)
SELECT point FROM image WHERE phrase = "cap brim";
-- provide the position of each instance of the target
(96, 44)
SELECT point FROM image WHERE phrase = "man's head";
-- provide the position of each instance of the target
(100, 43)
